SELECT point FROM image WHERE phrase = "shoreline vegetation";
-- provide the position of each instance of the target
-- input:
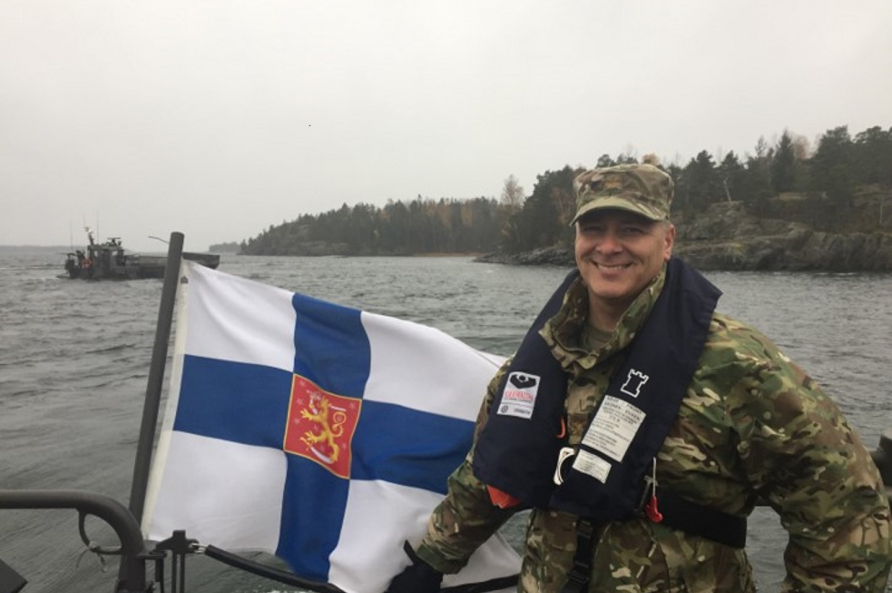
(786, 206)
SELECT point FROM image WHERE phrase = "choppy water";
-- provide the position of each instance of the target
(74, 360)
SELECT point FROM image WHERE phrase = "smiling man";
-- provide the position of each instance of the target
(651, 426)
(621, 244)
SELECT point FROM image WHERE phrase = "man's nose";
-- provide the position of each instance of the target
(609, 242)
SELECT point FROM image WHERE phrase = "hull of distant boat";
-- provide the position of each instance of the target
(132, 267)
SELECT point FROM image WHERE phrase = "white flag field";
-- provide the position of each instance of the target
(312, 431)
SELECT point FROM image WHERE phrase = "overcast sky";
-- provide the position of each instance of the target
(221, 118)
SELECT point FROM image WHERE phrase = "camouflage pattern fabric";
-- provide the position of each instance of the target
(642, 189)
(752, 425)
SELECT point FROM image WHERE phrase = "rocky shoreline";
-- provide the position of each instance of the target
(727, 238)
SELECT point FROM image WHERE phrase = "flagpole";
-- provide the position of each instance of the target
(156, 377)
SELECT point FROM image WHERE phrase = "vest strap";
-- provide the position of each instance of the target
(678, 513)
(696, 519)
(580, 573)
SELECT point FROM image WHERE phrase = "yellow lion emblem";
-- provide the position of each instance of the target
(329, 421)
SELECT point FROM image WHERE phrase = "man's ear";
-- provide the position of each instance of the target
(669, 241)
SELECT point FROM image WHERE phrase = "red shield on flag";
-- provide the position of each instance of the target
(321, 425)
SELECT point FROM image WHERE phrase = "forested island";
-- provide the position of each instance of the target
(783, 207)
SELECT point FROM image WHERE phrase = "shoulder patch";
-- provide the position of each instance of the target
(519, 395)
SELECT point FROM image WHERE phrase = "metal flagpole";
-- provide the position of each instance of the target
(156, 377)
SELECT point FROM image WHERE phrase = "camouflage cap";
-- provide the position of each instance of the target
(642, 189)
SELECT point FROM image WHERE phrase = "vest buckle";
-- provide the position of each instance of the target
(563, 455)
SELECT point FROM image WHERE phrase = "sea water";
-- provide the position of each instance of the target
(75, 355)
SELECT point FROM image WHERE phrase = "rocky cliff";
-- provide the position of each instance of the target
(726, 237)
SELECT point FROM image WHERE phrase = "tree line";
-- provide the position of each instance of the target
(826, 178)
(422, 226)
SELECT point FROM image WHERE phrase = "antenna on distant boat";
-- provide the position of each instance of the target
(158, 239)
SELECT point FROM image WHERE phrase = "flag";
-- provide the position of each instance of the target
(316, 432)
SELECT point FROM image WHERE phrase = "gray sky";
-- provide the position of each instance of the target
(220, 118)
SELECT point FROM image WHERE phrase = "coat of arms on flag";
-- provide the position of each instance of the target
(320, 426)
(312, 431)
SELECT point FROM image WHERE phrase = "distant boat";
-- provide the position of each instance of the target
(110, 261)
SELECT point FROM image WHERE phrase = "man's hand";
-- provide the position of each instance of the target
(419, 577)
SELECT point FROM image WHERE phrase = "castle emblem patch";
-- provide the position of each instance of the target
(634, 382)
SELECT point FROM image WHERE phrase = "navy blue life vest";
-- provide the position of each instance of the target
(518, 449)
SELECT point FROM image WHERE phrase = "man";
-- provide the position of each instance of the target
(642, 427)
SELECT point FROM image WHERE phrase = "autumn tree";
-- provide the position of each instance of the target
(512, 195)
(511, 203)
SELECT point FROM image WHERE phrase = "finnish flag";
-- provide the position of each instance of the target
(315, 432)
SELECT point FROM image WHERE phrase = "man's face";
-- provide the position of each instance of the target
(618, 253)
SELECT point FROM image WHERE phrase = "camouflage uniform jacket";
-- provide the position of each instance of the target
(752, 424)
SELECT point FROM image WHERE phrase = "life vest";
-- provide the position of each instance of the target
(518, 449)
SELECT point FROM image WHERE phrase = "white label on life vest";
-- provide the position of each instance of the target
(592, 465)
(519, 395)
(614, 427)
